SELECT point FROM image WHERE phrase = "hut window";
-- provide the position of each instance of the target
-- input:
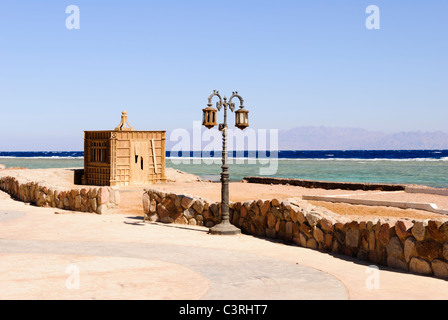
(98, 152)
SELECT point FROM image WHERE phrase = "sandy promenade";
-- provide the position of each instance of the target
(120, 257)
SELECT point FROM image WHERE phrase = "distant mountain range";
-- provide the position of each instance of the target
(333, 138)
(336, 138)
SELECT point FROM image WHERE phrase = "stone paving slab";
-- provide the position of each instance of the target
(9, 215)
(227, 275)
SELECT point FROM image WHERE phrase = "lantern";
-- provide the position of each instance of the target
(209, 117)
(242, 118)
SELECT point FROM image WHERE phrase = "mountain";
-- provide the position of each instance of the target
(334, 138)
(314, 138)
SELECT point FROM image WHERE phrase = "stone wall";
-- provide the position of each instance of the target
(98, 200)
(327, 184)
(416, 246)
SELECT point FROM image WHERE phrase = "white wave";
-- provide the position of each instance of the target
(315, 159)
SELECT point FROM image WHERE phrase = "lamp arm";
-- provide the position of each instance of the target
(236, 95)
(215, 93)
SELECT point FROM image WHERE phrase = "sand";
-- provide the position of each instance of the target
(185, 183)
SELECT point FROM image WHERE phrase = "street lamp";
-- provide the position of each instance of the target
(241, 122)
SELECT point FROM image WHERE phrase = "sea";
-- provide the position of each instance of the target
(421, 167)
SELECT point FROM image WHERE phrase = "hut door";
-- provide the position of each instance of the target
(141, 162)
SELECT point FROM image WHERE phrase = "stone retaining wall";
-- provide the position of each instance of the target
(328, 185)
(98, 200)
(416, 246)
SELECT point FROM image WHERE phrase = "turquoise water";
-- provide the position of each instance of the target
(424, 172)
(43, 163)
(431, 173)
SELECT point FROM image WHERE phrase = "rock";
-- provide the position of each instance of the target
(440, 268)
(207, 216)
(352, 238)
(429, 250)
(371, 223)
(186, 202)
(313, 218)
(409, 248)
(189, 213)
(214, 209)
(162, 211)
(167, 202)
(66, 202)
(419, 230)
(146, 201)
(327, 224)
(102, 209)
(275, 202)
(93, 192)
(445, 250)
(264, 207)
(181, 220)
(198, 205)
(432, 230)
(311, 244)
(103, 196)
(318, 235)
(394, 248)
(254, 208)
(300, 216)
(78, 202)
(303, 239)
(151, 217)
(372, 240)
(444, 231)
(328, 241)
(243, 212)
(271, 220)
(167, 220)
(307, 230)
(93, 204)
(385, 233)
(420, 266)
(277, 212)
(403, 228)
(398, 263)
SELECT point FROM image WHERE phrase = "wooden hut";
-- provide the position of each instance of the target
(124, 157)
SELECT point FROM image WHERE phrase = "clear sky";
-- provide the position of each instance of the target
(295, 62)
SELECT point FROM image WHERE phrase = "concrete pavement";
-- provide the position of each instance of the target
(52, 254)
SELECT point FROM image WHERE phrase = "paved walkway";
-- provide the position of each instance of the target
(85, 256)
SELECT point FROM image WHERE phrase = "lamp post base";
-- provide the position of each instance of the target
(224, 229)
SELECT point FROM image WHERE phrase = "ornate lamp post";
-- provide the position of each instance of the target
(241, 122)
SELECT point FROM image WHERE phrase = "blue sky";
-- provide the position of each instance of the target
(295, 62)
